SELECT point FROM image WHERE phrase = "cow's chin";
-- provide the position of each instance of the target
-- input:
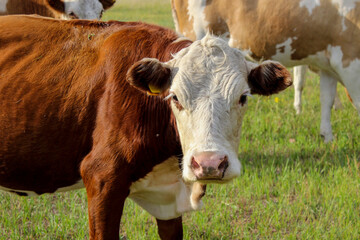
(216, 181)
(193, 178)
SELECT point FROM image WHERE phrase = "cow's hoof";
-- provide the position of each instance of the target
(328, 137)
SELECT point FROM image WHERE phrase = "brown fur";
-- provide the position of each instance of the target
(269, 78)
(66, 108)
(154, 72)
(39, 7)
(46, 8)
(107, 3)
(170, 229)
(55, 5)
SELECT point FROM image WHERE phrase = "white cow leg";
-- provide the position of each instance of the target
(327, 96)
(299, 82)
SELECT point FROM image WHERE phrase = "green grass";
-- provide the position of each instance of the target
(293, 186)
(154, 11)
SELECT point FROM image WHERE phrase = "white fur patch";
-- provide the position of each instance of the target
(3, 6)
(196, 12)
(283, 51)
(163, 192)
(175, 19)
(349, 75)
(233, 42)
(344, 7)
(309, 4)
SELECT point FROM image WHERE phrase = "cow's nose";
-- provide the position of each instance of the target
(209, 165)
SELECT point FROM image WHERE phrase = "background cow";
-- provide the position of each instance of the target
(80, 105)
(292, 32)
(299, 83)
(76, 9)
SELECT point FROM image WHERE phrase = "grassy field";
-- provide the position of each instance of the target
(293, 186)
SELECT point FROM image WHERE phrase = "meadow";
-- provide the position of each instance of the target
(293, 185)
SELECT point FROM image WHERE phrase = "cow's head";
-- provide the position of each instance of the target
(208, 83)
(79, 9)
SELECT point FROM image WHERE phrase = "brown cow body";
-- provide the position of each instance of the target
(49, 106)
(78, 9)
(68, 112)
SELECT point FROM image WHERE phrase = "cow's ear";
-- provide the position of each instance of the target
(57, 5)
(150, 75)
(107, 3)
(268, 78)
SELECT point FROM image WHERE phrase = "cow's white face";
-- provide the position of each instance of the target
(83, 9)
(208, 83)
(209, 91)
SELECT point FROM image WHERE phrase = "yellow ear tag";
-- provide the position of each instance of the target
(153, 90)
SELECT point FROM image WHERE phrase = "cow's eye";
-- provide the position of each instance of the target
(243, 99)
(177, 103)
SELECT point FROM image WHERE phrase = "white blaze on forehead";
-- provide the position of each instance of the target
(196, 13)
(309, 4)
(163, 192)
(210, 79)
(84, 9)
(3, 5)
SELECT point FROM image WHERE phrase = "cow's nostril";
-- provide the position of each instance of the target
(194, 164)
(224, 164)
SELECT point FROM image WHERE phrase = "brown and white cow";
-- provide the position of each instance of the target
(320, 33)
(114, 105)
(63, 9)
